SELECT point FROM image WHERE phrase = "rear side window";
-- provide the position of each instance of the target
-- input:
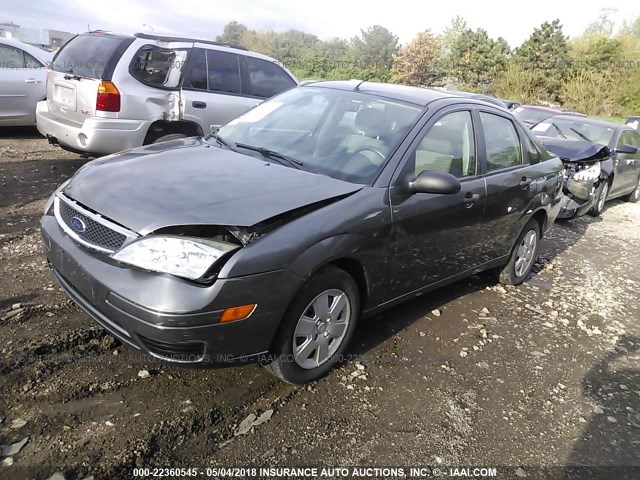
(90, 55)
(501, 141)
(224, 72)
(158, 67)
(266, 79)
(11, 57)
(196, 74)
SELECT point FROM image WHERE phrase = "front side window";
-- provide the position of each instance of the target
(501, 142)
(266, 79)
(629, 138)
(31, 62)
(224, 72)
(343, 134)
(448, 147)
(11, 57)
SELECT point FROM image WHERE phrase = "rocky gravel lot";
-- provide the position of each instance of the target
(545, 374)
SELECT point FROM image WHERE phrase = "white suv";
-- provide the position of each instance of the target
(108, 92)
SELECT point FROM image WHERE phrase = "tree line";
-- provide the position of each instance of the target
(597, 73)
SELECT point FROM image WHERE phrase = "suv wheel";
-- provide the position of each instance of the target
(603, 193)
(634, 196)
(523, 255)
(316, 328)
(171, 136)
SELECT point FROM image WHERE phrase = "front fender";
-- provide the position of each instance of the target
(348, 246)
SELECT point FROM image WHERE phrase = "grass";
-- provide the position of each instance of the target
(621, 120)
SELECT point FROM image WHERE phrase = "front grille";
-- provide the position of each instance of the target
(91, 232)
(176, 352)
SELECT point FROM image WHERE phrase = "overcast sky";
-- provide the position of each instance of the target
(325, 18)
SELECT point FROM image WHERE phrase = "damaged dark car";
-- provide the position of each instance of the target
(267, 240)
(601, 161)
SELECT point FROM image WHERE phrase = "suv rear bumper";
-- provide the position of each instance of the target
(95, 136)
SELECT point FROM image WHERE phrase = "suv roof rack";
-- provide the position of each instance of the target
(168, 38)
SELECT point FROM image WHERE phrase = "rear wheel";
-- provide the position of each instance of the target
(603, 193)
(316, 328)
(634, 196)
(171, 136)
(523, 255)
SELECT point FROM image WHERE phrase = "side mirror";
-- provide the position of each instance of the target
(429, 181)
(626, 149)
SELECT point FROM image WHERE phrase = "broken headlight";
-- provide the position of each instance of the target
(185, 257)
(589, 174)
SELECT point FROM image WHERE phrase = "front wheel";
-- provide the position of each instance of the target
(634, 196)
(316, 328)
(603, 193)
(523, 255)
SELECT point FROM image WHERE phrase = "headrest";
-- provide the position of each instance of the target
(372, 122)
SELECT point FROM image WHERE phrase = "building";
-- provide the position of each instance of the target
(38, 37)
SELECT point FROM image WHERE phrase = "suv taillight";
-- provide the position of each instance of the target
(108, 99)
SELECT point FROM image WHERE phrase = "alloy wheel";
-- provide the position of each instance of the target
(603, 196)
(321, 328)
(526, 252)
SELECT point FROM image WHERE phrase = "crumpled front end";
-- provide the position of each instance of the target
(587, 165)
(580, 185)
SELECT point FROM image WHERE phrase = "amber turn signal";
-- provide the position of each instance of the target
(237, 313)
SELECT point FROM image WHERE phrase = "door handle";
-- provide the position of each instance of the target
(31, 80)
(525, 182)
(470, 199)
(199, 104)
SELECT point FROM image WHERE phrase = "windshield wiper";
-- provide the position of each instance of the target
(584, 137)
(558, 129)
(265, 152)
(218, 139)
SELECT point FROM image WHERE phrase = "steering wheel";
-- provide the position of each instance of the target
(364, 148)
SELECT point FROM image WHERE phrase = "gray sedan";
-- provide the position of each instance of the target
(23, 75)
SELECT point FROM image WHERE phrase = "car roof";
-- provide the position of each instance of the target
(406, 93)
(39, 53)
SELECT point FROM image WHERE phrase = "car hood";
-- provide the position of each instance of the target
(190, 182)
(575, 150)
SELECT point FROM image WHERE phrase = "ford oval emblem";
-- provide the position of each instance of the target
(77, 224)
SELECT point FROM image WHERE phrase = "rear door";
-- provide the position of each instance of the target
(436, 236)
(626, 165)
(212, 88)
(77, 69)
(511, 181)
(22, 79)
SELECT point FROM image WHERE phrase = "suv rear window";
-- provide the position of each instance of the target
(91, 55)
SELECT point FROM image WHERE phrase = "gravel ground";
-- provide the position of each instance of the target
(545, 374)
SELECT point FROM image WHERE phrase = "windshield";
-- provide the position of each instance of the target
(531, 115)
(574, 130)
(343, 134)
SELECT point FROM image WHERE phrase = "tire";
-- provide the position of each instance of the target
(305, 364)
(525, 250)
(603, 193)
(171, 136)
(634, 196)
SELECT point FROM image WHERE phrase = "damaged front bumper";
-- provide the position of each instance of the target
(169, 318)
(580, 187)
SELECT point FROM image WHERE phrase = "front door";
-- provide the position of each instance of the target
(436, 236)
(626, 165)
(511, 181)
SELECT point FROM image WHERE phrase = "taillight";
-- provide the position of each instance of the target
(108, 99)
